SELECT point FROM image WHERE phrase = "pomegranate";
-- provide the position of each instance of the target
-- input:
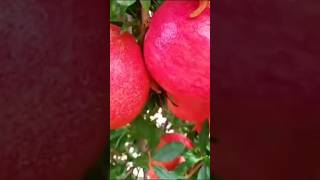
(152, 174)
(52, 89)
(167, 139)
(129, 81)
(177, 54)
(195, 111)
(175, 137)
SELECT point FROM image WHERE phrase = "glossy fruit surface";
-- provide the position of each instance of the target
(129, 81)
(192, 111)
(152, 175)
(52, 89)
(177, 54)
(175, 137)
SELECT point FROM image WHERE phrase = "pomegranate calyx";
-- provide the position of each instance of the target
(203, 4)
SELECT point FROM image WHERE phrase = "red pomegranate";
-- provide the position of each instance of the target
(175, 137)
(129, 81)
(152, 174)
(196, 111)
(167, 139)
(177, 54)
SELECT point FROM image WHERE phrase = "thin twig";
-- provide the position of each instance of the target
(145, 174)
(150, 159)
(193, 170)
(203, 4)
(145, 19)
(157, 3)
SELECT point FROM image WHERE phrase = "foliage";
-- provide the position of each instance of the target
(131, 146)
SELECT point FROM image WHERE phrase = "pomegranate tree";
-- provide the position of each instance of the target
(162, 46)
(129, 83)
(177, 54)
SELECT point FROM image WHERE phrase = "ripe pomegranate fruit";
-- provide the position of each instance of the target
(195, 111)
(171, 165)
(129, 81)
(52, 88)
(177, 54)
(152, 174)
(175, 137)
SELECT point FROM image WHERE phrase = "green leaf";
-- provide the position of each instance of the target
(145, 129)
(120, 139)
(142, 161)
(208, 147)
(204, 173)
(164, 174)
(145, 4)
(116, 171)
(117, 133)
(206, 160)
(156, 3)
(191, 157)
(126, 2)
(169, 152)
(118, 10)
(204, 136)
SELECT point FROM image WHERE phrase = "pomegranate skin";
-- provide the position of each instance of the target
(177, 50)
(52, 88)
(195, 111)
(152, 174)
(129, 81)
(175, 137)
(177, 54)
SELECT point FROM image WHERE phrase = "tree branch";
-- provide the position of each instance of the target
(193, 170)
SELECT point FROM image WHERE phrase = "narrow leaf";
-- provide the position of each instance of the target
(204, 136)
(126, 2)
(169, 152)
(204, 173)
(145, 129)
(145, 4)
